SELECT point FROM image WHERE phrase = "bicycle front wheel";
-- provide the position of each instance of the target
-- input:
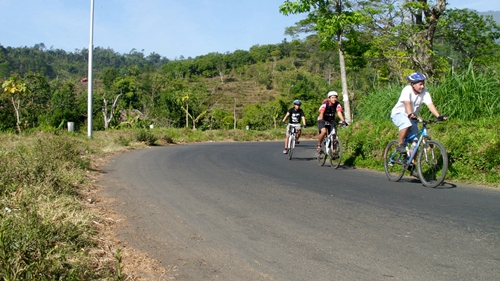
(335, 153)
(291, 146)
(393, 162)
(432, 163)
(321, 157)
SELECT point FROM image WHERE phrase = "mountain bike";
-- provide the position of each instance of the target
(292, 138)
(430, 155)
(331, 147)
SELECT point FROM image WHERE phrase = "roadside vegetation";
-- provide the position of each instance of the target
(48, 233)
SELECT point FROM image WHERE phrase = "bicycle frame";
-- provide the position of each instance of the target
(420, 135)
(329, 138)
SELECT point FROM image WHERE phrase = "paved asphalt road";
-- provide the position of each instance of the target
(243, 211)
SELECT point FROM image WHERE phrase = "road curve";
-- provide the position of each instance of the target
(243, 211)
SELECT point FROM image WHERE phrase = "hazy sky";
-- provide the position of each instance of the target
(170, 28)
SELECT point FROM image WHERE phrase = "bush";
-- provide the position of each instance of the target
(146, 136)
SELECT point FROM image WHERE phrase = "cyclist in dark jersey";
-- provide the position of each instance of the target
(294, 115)
(326, 118)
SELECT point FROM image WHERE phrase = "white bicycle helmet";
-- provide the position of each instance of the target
(332, 93)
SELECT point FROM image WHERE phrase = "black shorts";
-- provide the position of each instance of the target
(325, 124)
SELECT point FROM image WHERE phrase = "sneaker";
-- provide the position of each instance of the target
(285, 151)
(297, 142)
(413, 171)
(401, 149)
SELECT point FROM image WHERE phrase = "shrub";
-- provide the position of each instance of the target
(146, 136)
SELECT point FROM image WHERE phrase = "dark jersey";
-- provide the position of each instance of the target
(295, 115)
(329, 110)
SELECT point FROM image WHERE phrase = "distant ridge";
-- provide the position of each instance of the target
(494, 14)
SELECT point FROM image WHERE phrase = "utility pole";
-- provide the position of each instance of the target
(91, 49)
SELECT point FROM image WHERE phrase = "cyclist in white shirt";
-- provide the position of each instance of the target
(404, 114)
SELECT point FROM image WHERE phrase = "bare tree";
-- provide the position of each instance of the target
(108, 116)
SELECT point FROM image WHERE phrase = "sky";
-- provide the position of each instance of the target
(170, 28)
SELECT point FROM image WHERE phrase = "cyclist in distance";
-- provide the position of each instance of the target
(294, 115)
(327, 111)
(404, 114)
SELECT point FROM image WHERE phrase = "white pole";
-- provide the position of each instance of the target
(91, 49)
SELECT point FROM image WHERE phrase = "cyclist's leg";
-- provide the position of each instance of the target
(286, 138)
(403, 123)
(413, 130)
(322, 130)
(299, 132)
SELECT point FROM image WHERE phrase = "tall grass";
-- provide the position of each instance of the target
(377, 104)
(463, 96)
(469, 96)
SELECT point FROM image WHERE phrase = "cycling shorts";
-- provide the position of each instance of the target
(401, 120)
(325, 124)
(297, 127)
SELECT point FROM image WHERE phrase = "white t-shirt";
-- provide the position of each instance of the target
(416, 101)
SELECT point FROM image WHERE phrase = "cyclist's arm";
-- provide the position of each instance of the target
(433, 109)
(408, 107)
(286, 116)
(341, 116)
(304, 120)
(321, 115)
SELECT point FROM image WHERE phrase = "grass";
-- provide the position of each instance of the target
(44, 233)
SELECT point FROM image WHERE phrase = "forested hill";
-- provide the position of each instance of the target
(226, 90)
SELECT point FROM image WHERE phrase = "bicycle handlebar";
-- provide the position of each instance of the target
(430, 121)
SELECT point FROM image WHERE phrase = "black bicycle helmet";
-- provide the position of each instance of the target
(297, 102)
(416, 77)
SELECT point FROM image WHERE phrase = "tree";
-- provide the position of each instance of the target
(15, 88)
(421, 24)
(331, 20)
(64, 106)
(470, 36)
(201, 106)
(37, 97)
(108, 116)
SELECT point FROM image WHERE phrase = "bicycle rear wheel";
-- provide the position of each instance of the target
(393, 162)
(432, 163)
(335, 153)
(291, 146)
